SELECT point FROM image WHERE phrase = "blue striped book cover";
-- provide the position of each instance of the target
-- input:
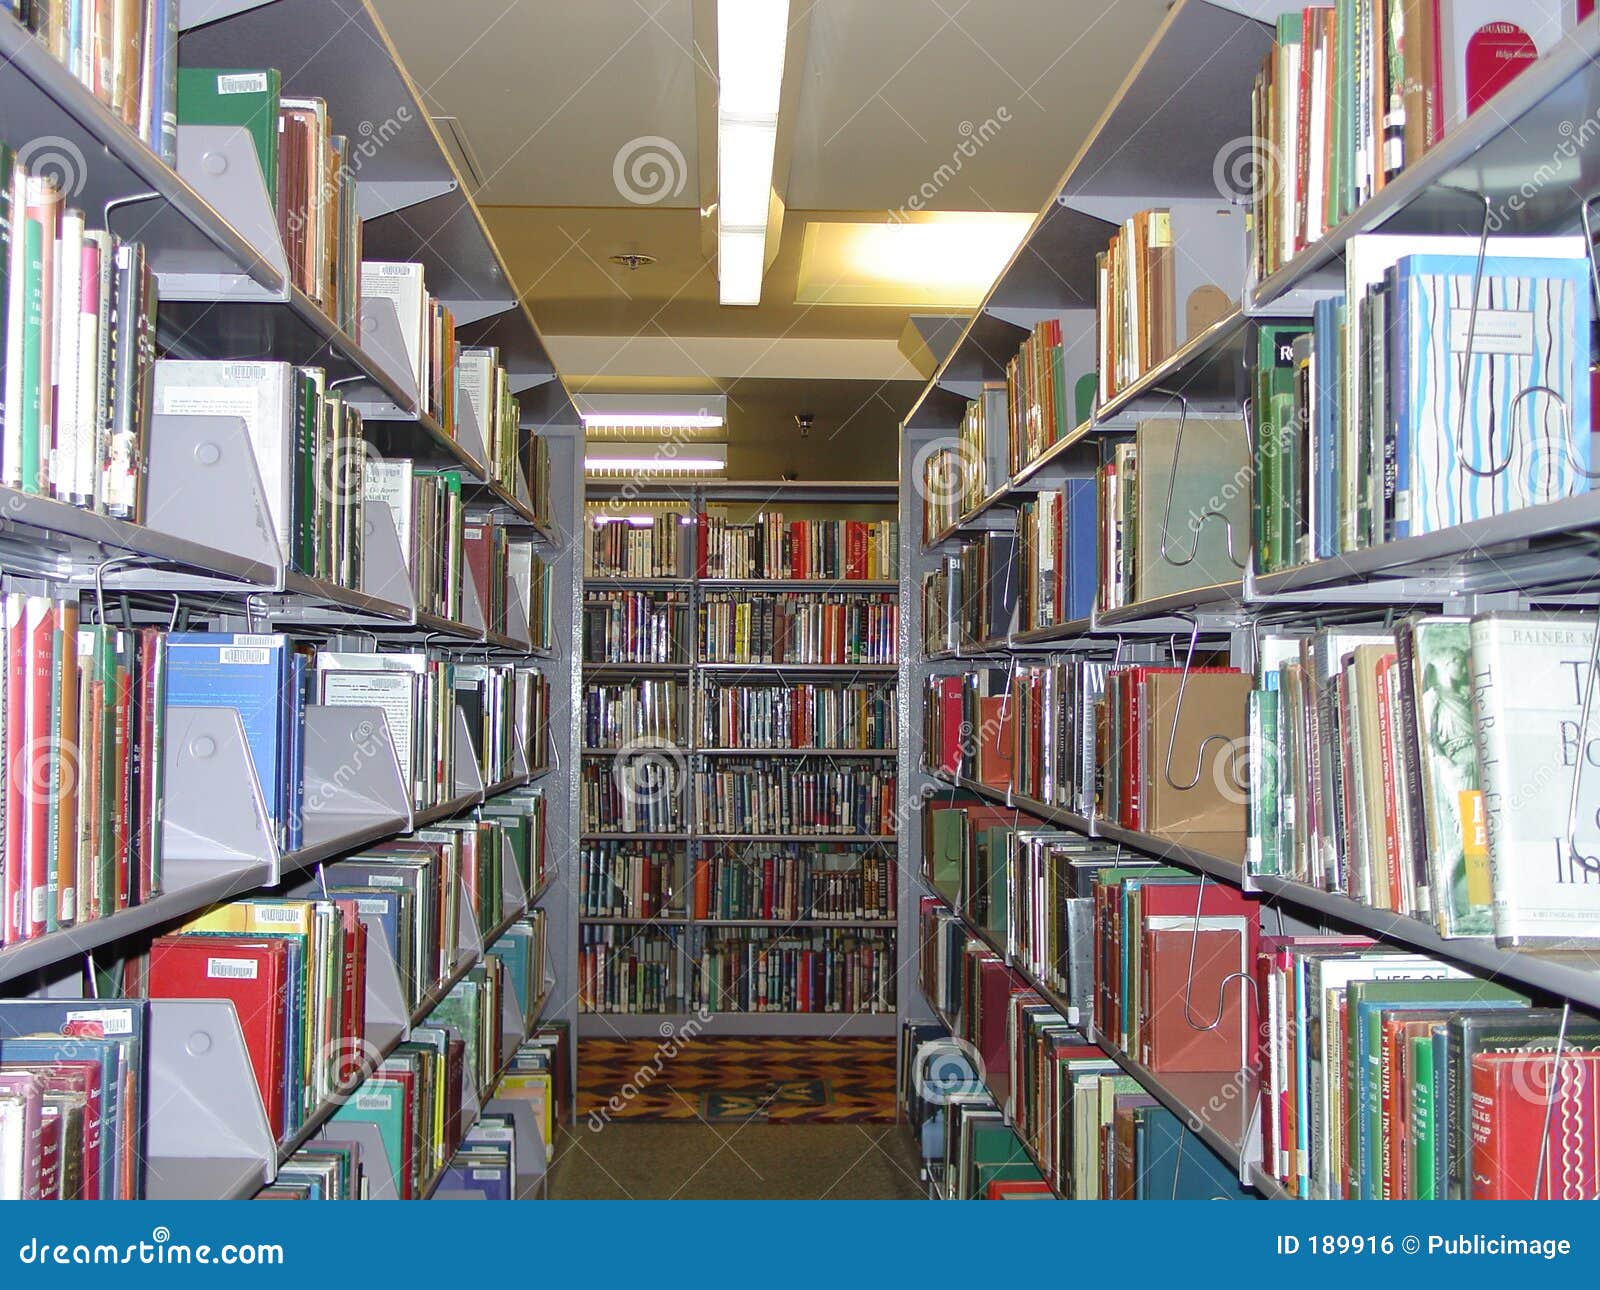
(1531, 337)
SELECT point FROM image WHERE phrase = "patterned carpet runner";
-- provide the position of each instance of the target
(732, 1080)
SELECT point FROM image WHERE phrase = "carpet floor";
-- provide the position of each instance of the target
(731, 1079)
(640, 1160)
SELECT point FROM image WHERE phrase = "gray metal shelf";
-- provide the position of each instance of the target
(191, 885)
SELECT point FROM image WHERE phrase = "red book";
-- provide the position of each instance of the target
(16, 737)
(37, 763)
(81, 1078)
(996, 743)
(355, 986)
(477, 544)
(1019, 1189)
(1511, 1092)
(50, 1152)
(1196, 999)
(253, 975)
(996, 984)
(855, 549)
(797, 550)
(701, 541)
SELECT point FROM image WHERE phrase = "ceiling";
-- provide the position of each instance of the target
(590, 130)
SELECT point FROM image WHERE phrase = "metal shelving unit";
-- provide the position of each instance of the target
(1158, 139)
(224, 293)
(693, 495)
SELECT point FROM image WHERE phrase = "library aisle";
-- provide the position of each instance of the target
(799, 600)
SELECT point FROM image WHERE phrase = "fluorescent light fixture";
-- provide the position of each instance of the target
(744, 172)
(741, 256)
(665, 420)
(751, 38)
(751, 35)
(948, 259)
(640, 411)
(667, 458)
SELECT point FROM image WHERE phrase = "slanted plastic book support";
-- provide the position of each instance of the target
(208, 1136)
(353, 780)
(214, 808)
(219, 162)
(203, 486)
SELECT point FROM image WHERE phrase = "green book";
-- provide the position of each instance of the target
(1422, 1145)
(1273, 388)
(949, 836)
(1264, 807)
(992, 1146)
(32, 351)
(1083, 395)
(239, 97)
(381, 1101)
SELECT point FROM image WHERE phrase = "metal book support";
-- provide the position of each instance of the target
(384, 342)
(203, 486)
(220, 163)
(1464, 388)
(1574, 856)
(374, 1158)
(214, 807)
(530, 1140)
(353, 781)
(388, 1017)
(1210, 512)
(469, 774)
(384, 573)
(470, 437)
(517, 615)
(514, 898)
(207, 1133)
(469, 938)
(1177, 716)
(473, 614)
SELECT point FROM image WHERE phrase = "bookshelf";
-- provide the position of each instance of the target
(203, 552)
(695, 753)
(1158, 139)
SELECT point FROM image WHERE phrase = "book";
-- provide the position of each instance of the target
(247, 99)
(1529, 675)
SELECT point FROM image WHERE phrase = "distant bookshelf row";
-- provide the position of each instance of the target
(657, 969)
(645, 792)
(670, 544)
(785, 883)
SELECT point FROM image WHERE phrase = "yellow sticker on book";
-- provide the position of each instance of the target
(1475, 847)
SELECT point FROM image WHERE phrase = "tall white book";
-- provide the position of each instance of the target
(1529, 672)
(263, 396)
